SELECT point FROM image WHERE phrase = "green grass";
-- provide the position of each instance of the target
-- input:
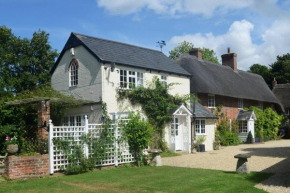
(169, 154)
(145, 179)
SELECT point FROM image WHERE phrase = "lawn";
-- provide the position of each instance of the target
(145, 179)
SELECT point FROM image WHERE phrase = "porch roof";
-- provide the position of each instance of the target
(200, 112)
(245, 115)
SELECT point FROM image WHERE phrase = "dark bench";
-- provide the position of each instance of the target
(242, 165)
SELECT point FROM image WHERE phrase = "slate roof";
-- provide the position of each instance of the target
(208, 77)
(108, 51)
(244, 115)
(200, 112)
(282, 92)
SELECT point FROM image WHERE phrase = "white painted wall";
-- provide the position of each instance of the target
(89, 76)
(111, 80)
(210, 128)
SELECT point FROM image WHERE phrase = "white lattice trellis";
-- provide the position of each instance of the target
(118, 152)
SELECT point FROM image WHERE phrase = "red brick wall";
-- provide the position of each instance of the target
(230, 104)
(43, 118)
(22, 167)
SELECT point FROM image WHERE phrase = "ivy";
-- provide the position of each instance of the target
(156, 103)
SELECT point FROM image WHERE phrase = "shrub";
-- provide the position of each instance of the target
(267, 123)
(138, 132)
(227, 137)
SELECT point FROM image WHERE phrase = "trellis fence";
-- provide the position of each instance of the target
(118, 153)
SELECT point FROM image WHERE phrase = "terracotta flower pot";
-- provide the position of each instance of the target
(12, 149)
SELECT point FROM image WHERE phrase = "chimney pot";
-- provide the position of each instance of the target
(230, 59)
(274, 83)
(197, 52)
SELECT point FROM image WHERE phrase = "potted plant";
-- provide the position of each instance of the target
(250, 138)
(194, 147)
(11, 145)
(200, 140)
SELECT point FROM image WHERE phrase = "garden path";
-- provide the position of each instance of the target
(268, 157)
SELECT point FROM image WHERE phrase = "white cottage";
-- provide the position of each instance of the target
(93, 69)
(246, 123)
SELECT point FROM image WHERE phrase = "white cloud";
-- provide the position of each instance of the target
(172, 7)
(276, 41)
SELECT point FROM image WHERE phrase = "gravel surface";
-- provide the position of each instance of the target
(268, 157)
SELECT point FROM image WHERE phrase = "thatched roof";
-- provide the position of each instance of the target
(208, 77)
(282, 92)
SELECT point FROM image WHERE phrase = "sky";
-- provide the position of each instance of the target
(257, 30)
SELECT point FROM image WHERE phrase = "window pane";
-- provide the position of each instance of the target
(72, 121)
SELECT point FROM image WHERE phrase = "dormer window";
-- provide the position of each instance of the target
(240, 103)
(73, 73)
(211, 101)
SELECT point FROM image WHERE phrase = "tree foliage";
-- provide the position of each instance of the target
(138, 133)
(185, 47)
(280, 70)
(267, 123)
(24, 63)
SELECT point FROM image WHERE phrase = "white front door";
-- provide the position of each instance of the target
(177, 134)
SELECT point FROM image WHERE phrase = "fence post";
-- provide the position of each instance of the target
(86, 148)
(116, 139)
(50, 147)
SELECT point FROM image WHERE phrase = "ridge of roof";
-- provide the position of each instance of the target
(75, 33)
(223, 80)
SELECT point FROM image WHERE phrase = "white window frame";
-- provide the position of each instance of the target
(211, 101)
(240, 103)
(199, 127)
(243, 126)
(129, 79)
(77, 120)
(163, 79)
(174, 127)
(73, 74)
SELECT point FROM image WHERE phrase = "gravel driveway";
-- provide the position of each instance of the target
(269, 157)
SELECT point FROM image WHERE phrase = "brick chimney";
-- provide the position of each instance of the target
(230, 59)
(197, 52)
(274, 83)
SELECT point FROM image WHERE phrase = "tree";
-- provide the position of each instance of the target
(262, 70)
(185, 47)
(24, 63)
(138, 132)
(281, 69)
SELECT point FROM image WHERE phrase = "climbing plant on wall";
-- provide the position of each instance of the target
(156, 103)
